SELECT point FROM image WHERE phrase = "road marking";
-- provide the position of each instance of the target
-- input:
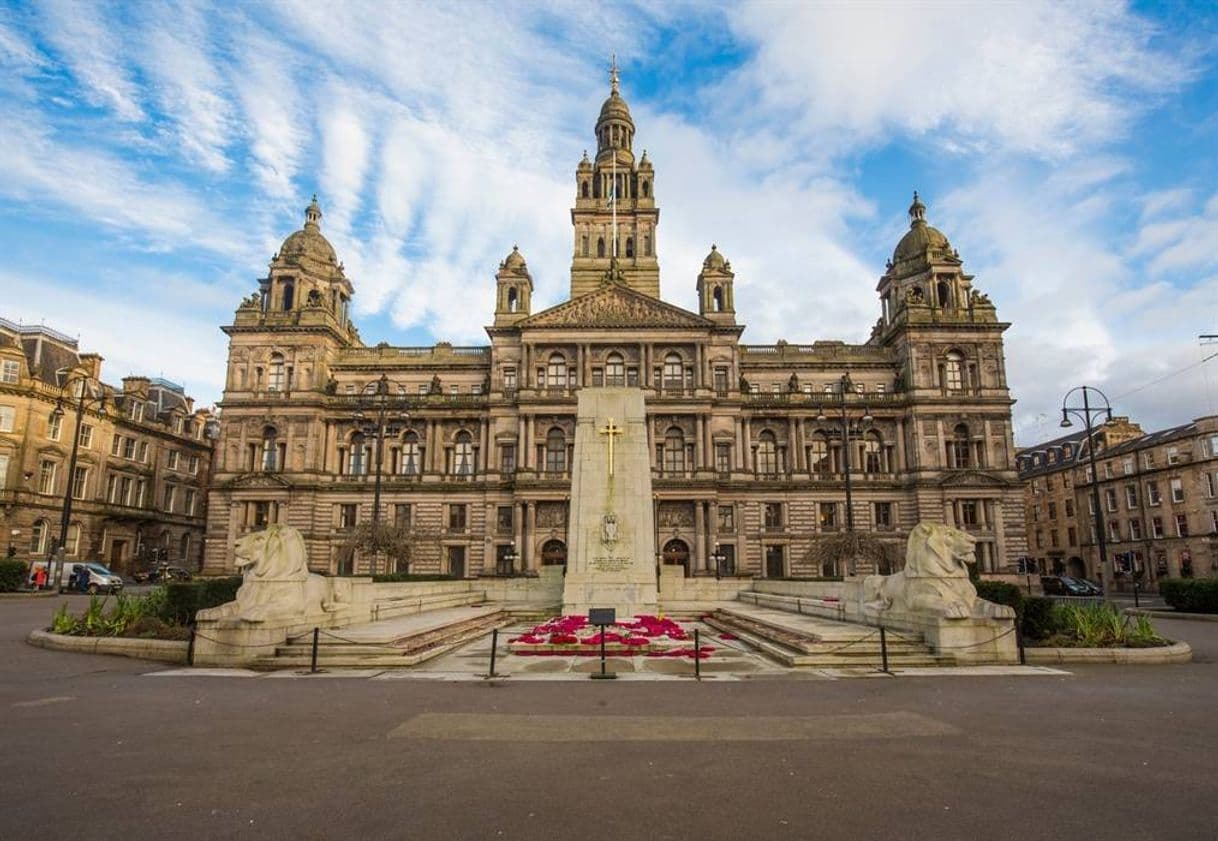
(42, 702)
(659, 728)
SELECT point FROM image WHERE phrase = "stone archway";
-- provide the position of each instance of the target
(676, 552)
(1076, 568)
(554, 553)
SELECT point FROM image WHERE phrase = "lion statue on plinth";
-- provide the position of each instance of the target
(935, 579)
(277, 583)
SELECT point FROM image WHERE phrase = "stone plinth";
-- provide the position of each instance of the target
(611, 550)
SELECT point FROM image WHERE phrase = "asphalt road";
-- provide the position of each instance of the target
(91, 749)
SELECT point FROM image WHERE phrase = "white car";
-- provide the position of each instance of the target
(101, 579)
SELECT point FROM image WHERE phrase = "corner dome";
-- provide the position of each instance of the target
(615, 108)
(714, 260)
(308, 242)
(515, 260)
(921, 237)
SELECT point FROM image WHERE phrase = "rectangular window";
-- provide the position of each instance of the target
(8, 416)
(1110, 499)
(46, 477)
(1052, 510)
(970, 514)
(171, 497)
(1148, 459)
(54, 426)
(1072, 535)
(727, 518)
(507, 458)
(11, 371)
(194, 464)
(1127, 465)
(882, 514)
(1173, 455)
(1156, 527)
(1211, 484)
(1152, 493)
(403, 516)
(1069, 507)
(86, 435)
(773, 516)
(1114, 531)
(720, 381)
(1131, 497)
(1214, 522)
(80, 478)
(263, 513)
(143, 452)
(112, 488)
(1053, 539)
(125, 488)
(116, 445)
(456, 517)
(828, 515)
(509, 379)
(348, 515)
(129, 449)
(1135, 529)
(1182, 525)
(1040, 539)
(1036, 513)
(505, 521)
(188, 502)
(723, 458)
(171, 460)
(3, 471)
(1177, 490)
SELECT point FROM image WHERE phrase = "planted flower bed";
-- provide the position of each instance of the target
(573, 636)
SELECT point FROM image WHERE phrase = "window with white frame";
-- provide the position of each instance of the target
(1156, 527)
(1173, 455)
(8, 415)
(171, 460)
(10, 371)
(1127, 465)
(1148, 459)
(1177, 490)
(1131, 497)
(86, 435)
(1152, 493)
(80, 480)
(188, 502)
(46, 476)
(194, 464)
(143, 452)
(54, 425)
(1135, 529)
(4, 459)
(1181, 525)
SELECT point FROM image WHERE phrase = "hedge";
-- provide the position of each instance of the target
(1190, 595)
(183, 599)
(396, 577)
(1000, 592)
(12, 575)
(1039, 619)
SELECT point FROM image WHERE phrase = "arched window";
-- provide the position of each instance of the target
(463, 454)
(674, 450)
(289, 295)
(615, 370)
(944, 291)
(767, 454)
(411, 455)
(872, 451)
(953, 371)
(959, 447)
(556, 372)
(647, 245)
(556, 451)
(629, 246)
(357, 460)
(819, 463)
(270, 449)
(513, 299)
(600, 247)
(584, 189)
(184, 548)
(277, 378)
(38, 537)
(646, 189)
(583, 248)
(717, 299)
(674, 372)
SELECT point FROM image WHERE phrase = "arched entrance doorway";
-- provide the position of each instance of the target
(1076, 568)
(554, 553)
(677, 552)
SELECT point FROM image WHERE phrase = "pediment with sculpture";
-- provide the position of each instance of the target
(614, 305)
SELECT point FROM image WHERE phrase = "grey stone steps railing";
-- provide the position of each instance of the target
(808, 605)
(405, 605)
(334, 651)
(787, 647)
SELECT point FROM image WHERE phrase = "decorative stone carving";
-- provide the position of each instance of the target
(551, 515)
(935, 579)
(609, 529)
(676, 514)
(615, 305)
(277, 583)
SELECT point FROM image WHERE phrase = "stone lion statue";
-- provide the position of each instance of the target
(935, 579)
(277, 583)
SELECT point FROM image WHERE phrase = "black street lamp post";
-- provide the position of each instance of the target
(377, 429)
(85, 399)
(1088, 413)
(718, 557)
(847, 387)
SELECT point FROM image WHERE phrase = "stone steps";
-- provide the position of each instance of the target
(837, 645)
(416, 603)
(336, 651)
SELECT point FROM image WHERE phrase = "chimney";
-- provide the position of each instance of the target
(92, 363)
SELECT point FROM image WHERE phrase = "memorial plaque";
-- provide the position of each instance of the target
(602, 616)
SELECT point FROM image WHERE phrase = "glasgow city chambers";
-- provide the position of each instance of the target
(758, 451)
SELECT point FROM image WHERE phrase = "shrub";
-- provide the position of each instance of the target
(1102, 625)
(1000, 592)
(183, 599)
(1039, 620)
(12, 575)
(1190, 595)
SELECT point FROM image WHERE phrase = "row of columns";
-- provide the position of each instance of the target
(703, 376)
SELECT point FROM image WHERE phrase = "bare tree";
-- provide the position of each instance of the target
(838, 554)
(402, 545)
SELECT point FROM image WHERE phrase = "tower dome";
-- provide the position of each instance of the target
(308, 243)
(714, 260)
(515, 260)
(921, 237)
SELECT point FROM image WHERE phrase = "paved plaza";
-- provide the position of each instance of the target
(93, 747)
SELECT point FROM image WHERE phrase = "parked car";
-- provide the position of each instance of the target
(1063, 585)
(1090, 586)
(161, 574)
(100, 578)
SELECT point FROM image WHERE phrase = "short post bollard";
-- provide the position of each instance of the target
(1136, 604)
(697, 654)
(494, 648)
(1023, 656)
(884, 651)
(190, 647)
(313, 658)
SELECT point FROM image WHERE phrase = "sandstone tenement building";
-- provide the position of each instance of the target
(745, 439)
(142, 462)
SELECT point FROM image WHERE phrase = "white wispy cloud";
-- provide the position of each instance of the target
(91, 47)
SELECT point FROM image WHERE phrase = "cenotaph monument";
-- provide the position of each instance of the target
(611, 549)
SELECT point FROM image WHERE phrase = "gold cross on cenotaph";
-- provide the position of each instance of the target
(610, 431)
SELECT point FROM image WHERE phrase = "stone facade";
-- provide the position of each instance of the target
(142, 464)
(745, 440)
(1158, 496)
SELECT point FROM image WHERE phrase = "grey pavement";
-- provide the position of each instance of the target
(92, 749)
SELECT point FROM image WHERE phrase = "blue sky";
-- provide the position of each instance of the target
(156, 154)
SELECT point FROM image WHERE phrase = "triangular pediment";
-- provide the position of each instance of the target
(972, 478)
(258, 480)
(615, 305)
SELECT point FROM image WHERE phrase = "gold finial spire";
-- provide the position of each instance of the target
(613, 76)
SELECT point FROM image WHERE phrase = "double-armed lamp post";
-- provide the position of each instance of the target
(1088, 413)
(847, 387)
(90, 395)
(376, 426)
